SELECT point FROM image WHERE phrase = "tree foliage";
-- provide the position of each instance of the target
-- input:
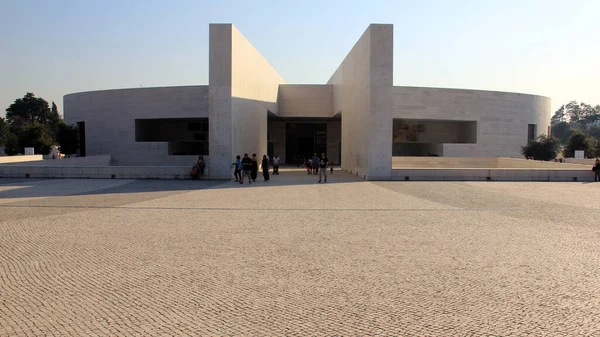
(579, 141)
(542, 148)
(11, 144)
(32, 123)
(28, 110)
(578, 126)
(35, 135)
(578, 116)
(3, 131)
(54, 122)
(67, 138)
(562, 131)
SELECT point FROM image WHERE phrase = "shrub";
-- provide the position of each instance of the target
(542, 148)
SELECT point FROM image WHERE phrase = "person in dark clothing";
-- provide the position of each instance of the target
(596, 170)
(265, 168)
(247, 166)
(238, 169)
(323, 167)
(201, 164)
(254, 167)
(276, 165)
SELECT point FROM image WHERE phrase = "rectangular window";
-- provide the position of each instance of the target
(185, 136)
(531, 131)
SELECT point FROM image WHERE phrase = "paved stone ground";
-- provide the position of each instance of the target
(294, 258)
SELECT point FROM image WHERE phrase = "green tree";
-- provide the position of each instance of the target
(562, 131)
(3, 131)
(35, 135)
(594, 131)
(578, 141)
(11, 144)
(595, 148)
(28, 110)
(67, 138)
(575, 114)
(559, 115)
(542, 148)
(54, 122)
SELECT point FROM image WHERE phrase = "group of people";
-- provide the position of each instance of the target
(248, 167)
(314, 165)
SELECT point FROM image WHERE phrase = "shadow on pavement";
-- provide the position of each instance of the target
(15, 188)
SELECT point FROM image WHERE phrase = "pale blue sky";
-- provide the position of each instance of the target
(56, 47)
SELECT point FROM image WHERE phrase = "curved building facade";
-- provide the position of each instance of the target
(358, 117)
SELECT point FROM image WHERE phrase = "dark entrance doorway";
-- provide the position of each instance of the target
(306, 145)
(81, 130)
(304, 139)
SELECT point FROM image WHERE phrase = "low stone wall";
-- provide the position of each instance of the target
(443, 162)
(97, 172)
(494, 174)
(524, 163)
(158, 160)
(589, 162)
(477, 162)
(71, 162)
(20, 159)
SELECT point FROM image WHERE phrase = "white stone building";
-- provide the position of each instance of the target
(358, 117)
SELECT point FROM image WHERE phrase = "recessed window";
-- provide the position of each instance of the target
(531, 131)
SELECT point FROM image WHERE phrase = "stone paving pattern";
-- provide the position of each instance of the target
(295, 258)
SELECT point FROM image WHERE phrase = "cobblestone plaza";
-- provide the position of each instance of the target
(296, 258)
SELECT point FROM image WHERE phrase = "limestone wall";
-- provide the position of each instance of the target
(334, 132)
(96, 172)
(479, 162)
(494, 174)
(110, 115)
(297, 100)
(76, 161)
(501, 117)
(443, 162)
(523, 163)
(362, 92)
(242, 88)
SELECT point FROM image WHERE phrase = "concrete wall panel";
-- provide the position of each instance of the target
(110, 118)
(362, 92)
(305, 100)
(502, 118)
(254, 91)
(243, 88)
(220, 103)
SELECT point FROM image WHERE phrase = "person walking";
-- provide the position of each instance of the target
(596, 169)
(315, 163)
(276, 165)
(201, 164)
(254, 167)
(238, 169)
(265, 168)
(323, 167)
(247, 166)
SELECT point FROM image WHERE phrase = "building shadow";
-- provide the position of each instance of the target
(21, 188)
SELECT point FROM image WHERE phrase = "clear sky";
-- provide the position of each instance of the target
(545, 47)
